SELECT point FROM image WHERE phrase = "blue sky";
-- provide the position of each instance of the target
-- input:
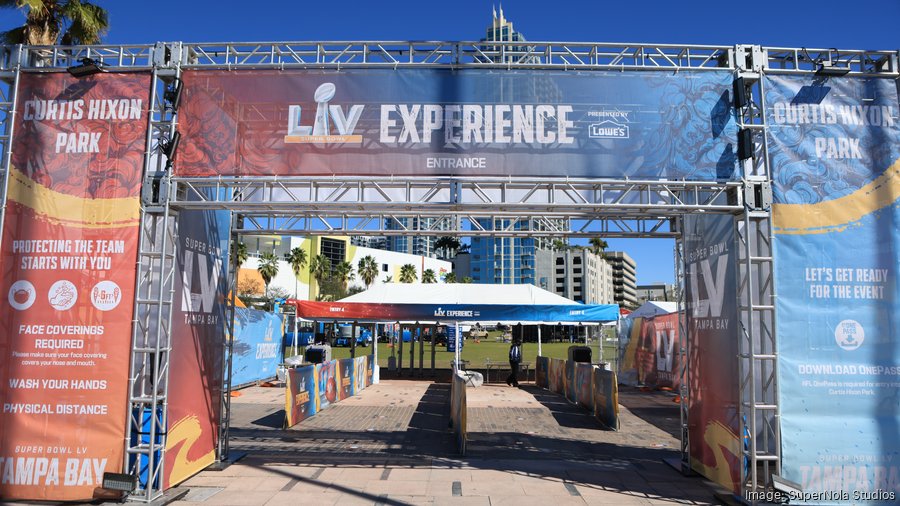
(857, 24)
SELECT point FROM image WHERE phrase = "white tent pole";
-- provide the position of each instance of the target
(296, 339)
(539, 340)
(456, 351)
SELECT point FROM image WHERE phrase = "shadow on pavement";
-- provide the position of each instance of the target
(654, 407)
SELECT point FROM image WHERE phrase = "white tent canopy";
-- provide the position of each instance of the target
(458, 293)
(653, 308)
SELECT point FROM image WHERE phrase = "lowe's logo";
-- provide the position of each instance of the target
(608, 130)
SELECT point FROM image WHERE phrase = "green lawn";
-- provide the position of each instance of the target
(475, 353)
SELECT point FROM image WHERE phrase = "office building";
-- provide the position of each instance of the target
(583, 276)
(624, 279)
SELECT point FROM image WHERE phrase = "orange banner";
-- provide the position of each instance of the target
(69, 246)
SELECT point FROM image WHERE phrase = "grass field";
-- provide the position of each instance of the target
(477, 354)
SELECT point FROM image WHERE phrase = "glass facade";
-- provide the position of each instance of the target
(503, 260)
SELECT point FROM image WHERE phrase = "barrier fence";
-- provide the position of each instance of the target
(584, 384)
(458, 410)
(314, 387)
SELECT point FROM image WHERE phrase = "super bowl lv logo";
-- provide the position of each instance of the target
(331, 124)
(208, 269)
(665, 349)
(714, 284)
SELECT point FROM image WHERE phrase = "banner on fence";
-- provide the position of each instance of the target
(458, 410)
(301, 394)
(584, 385)
(556, 371)
(70, 236)
(606, 398)
(257, 351)
(834, 147)
(541, 372)
(346, 371)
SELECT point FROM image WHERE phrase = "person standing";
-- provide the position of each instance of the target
(515, 358)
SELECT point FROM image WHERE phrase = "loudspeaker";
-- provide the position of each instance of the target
(739, 92)
(745, 144)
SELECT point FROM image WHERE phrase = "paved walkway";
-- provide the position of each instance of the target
(390, 445)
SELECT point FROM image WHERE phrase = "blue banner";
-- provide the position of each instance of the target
(835, 155)
(566, 123)
(367, 311)
(453, 339)
(301, 395)
(257, 345)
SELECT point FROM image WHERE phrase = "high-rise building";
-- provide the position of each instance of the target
(583, 276)
(422, 245)
(377, 242)
(624, 278)
(511, 260)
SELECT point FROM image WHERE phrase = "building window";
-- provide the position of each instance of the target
(576, 260)
(334, 251)
(384, 267)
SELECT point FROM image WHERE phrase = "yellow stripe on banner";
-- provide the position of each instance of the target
(836, 215)
(70, 210)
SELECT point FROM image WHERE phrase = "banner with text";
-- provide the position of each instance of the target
(834, 150)
(457, 312)
(712, 321)
(68, 259)
(301, 394)
(466, 123)
(257, 346)
(196, 363)
(312, 388)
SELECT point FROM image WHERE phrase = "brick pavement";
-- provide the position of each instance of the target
(391, 445)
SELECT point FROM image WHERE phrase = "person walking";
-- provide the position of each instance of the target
(515, 358)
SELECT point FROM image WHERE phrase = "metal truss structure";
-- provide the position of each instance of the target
(363, 205)
(759, 414)
(154, 291)
(459, 206)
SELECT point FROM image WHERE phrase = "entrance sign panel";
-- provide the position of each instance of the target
(835, 156)
(713, 348)
(198, 344)
(441, 122)
(68, 260)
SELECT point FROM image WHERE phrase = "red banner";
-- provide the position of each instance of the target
(69, 247)
(656, 356)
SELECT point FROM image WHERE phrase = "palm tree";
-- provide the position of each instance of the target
(367, 268)
(344, 273)
(450, 277)
(320, 268)
(408, 273)
(428, 276)
(48, 22)
(297, 259)
(559, 245)
(268, 268)
(598, 245)
(239, 249)
(467, 279)
(447, 244)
